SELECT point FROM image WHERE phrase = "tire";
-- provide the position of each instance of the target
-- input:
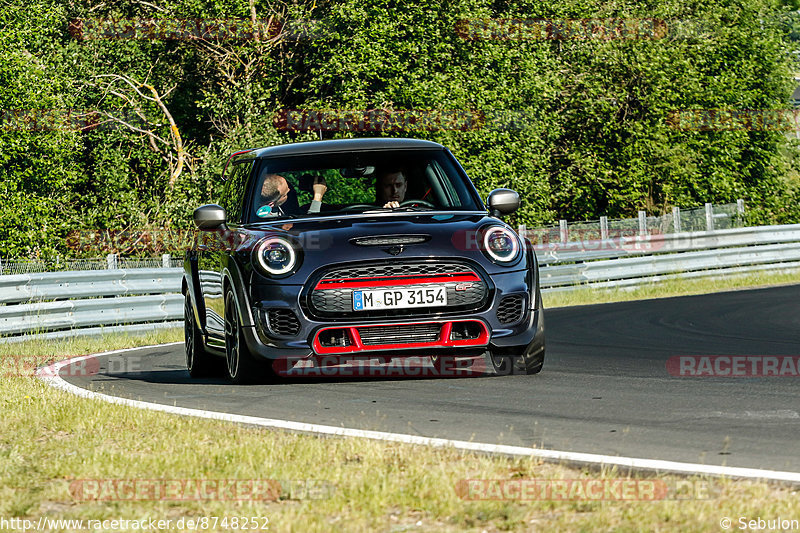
(507, 362)
(199, 362)
(240, 366)
(525, 359)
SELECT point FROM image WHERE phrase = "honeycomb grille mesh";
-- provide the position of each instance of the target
(510, 309)
(283, 322)
(396, 269)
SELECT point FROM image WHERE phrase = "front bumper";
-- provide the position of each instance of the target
(309, 340)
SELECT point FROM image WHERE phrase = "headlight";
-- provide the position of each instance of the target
(500, 244)
(276, 256)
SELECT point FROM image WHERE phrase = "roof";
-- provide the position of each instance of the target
(346, 145)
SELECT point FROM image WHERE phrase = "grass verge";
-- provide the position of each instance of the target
(49, 440)
(668, 288)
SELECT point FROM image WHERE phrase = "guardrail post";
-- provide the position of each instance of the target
(709, 217)
(521, 231)
(642, 223)
(166, 260)
(604, 228)
(112, 262)
(676, 219)
(740, 212)
(563, 230)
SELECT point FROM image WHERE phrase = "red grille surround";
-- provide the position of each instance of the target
(393, 281)
(355, 344)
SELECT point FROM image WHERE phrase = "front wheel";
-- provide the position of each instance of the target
(199, 362)
(241, 366)
(507, 362)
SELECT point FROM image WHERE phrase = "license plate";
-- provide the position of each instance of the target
(399, 298)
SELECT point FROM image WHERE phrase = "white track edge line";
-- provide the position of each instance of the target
(50, 375)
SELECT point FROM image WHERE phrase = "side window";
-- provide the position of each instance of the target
(452, 199)
(233, 192)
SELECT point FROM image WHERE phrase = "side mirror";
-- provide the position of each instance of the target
(209, 217)
(502, 202)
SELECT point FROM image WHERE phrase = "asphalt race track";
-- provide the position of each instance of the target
(604, 389)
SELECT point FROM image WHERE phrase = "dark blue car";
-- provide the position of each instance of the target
(357, 248)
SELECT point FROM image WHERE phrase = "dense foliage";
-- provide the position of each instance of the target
(578, 126)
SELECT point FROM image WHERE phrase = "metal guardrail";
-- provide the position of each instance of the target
(88, 284)
(635, 260)
(61, 304)
(74, 314)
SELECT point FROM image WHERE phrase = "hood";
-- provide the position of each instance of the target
(328, 240)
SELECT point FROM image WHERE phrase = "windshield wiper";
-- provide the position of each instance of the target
(394, 209)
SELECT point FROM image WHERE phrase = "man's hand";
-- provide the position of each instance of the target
(319, 188)
(391, 204)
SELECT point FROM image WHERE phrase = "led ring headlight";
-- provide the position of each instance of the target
(501, 244)
(276, 256)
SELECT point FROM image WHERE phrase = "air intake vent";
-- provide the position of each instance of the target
(400, 334)
(510, 309)
(283, 322)
(384, 240)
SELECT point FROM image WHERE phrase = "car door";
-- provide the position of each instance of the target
(212, 253)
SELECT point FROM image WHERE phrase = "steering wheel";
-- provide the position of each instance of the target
(417, 202)
(357, 206)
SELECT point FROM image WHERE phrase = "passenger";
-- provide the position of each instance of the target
(278, 197)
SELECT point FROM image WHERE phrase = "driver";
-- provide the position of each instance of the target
(391, 187)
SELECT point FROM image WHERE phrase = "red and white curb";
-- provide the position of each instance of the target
(50, 375)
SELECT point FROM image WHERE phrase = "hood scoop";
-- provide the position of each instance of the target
(390, 240)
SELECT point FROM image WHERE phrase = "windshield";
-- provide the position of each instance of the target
(352, 183)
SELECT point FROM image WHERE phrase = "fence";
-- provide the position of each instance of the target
(707, 218)
(112, 261)
(57, 304)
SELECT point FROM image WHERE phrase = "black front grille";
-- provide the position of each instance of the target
(510, 309)
(328, 301)
(400, 334)
(283, 322)
(396, 269)
(341, 300)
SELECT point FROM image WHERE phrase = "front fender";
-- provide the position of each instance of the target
(233, 277)
(191, 286)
